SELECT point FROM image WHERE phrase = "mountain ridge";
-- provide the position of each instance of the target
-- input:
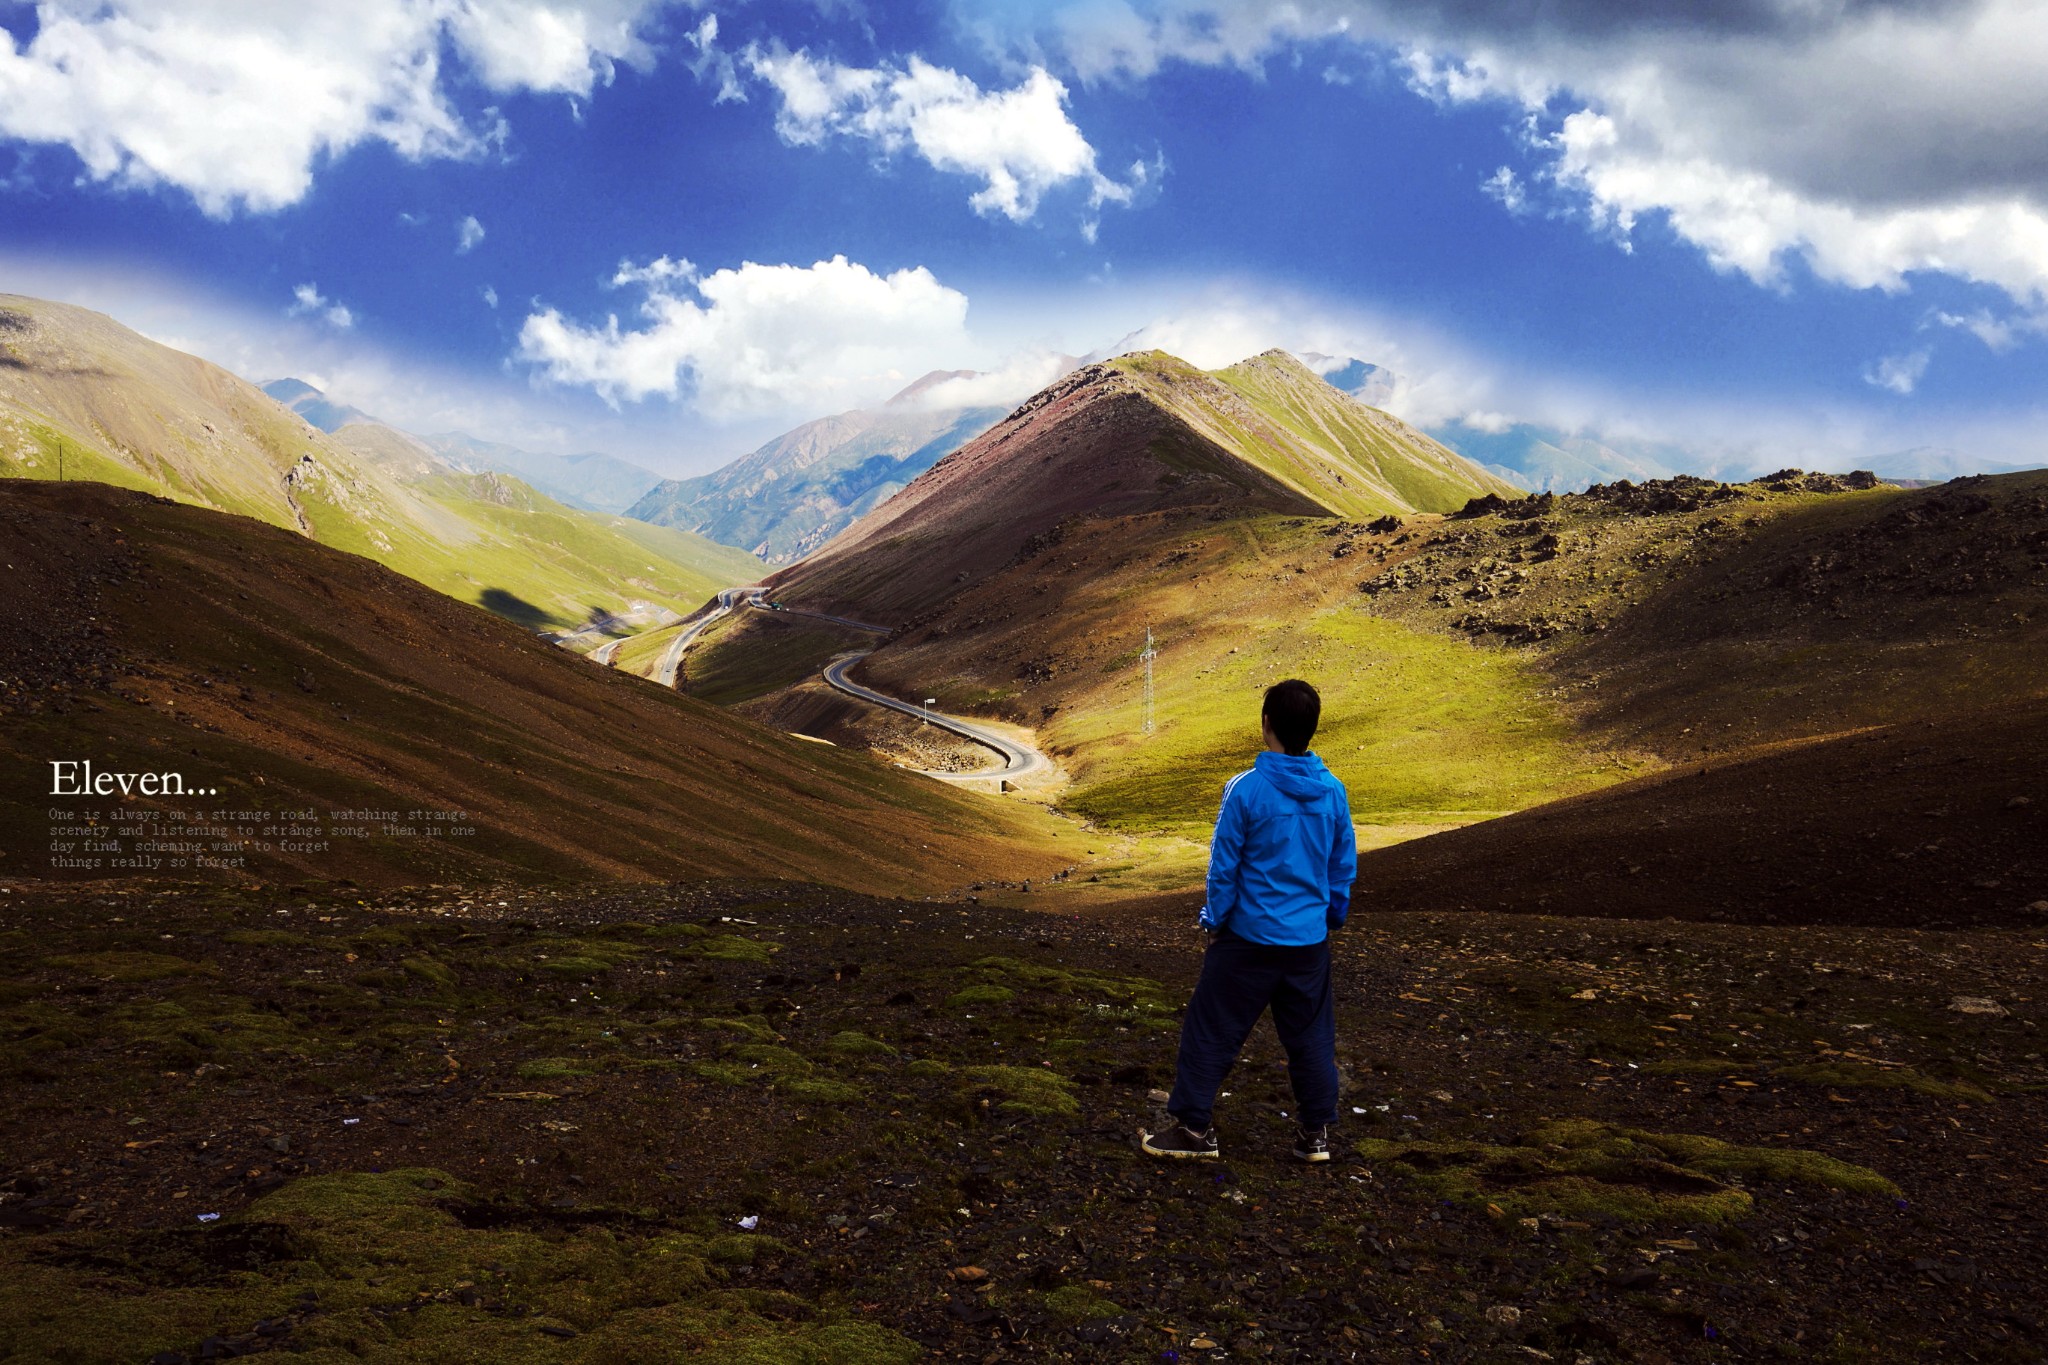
(1141, 433)
(84, 397)
(792, 494)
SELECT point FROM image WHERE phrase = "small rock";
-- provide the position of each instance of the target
(1158, 1096)
(1976, 1004)
(2038, 908)
(1202, 1344)
(2018, 801)
(970, 1274)
(1103, 1330)
(1504, 1315)
(1588, 994)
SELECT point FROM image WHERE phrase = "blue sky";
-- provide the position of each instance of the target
(670, 231)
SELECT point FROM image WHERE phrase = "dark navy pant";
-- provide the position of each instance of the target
(1239, 980)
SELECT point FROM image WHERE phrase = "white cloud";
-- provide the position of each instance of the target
(307, 300)
(236, 101)
(468, 233)
(1014, 381)
(1505, 188)
(490, 296)
(1869, 139)
(1019, 143)
(659, 273)
(713, 62)
(759, 338)
(1492, 423)
(1899, 373)
(1997, 333)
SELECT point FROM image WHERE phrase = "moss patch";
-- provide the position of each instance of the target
(397, 1267)
(981, 995)
(1580, 1167)
(1857, 1075)
(1022, 1089)
(733, 948)
(127, 967)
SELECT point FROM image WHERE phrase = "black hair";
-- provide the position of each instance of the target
(1293, 708)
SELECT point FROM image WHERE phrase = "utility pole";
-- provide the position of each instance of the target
(928, 703)
(1148, 656)
(60, 459)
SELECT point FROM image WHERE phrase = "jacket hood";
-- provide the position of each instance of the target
(1302, 776)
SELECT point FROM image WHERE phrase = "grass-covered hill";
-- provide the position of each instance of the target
(1528, 651)
(1134, 436)
(1927, 823)
(1352, 459)
(82, 397)
(143, 635)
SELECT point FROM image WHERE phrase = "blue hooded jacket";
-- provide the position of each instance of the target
(1284, 855)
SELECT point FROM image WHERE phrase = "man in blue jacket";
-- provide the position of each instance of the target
(1280, 873)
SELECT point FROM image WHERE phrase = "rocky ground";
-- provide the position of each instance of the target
(771, 1122)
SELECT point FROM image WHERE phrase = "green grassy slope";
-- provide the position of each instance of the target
(1274, 412)
(290, 676)
(123, 410)
(1491, 662)
(1421, 729)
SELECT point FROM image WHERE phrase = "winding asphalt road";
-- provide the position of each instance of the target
(1017, 759)
(672, 657)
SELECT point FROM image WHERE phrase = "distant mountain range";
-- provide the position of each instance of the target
(82, 397)
(1548, 460)
(799, 490)
(594, 482)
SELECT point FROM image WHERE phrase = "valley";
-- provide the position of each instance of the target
(1690, 1001)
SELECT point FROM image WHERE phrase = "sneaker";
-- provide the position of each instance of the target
(1178, 1142)
(1312, 1144)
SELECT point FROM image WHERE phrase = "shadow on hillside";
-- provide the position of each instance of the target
(512, 607)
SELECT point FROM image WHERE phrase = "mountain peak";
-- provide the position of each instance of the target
(930, 381)
(313, 405)
(287, 389)
(1143, 433)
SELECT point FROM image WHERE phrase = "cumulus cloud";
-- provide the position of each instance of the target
(236, 101)
(1869, 139)
(308, 301)
(758, 338)
(468, 233)
(1019, 143)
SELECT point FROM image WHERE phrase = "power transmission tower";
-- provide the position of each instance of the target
(1148, 656)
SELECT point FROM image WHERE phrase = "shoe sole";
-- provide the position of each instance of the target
(1312, 1158)
(1170, 1154)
